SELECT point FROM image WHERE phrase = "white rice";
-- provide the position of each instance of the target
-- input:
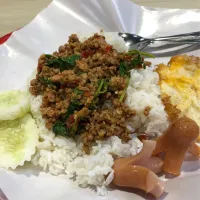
(59, 155)
(144, 91)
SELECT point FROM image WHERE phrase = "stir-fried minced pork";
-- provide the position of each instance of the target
(83, 86)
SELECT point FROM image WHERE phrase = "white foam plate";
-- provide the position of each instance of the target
(51, 28)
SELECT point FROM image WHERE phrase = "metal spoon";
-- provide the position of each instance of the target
(134, 41)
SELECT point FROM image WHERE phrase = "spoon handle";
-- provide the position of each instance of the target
(181, 38)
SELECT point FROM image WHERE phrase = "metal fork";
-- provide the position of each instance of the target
(134, 41)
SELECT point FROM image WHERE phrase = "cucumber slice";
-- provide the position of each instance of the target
(13, 104)
(18, 141)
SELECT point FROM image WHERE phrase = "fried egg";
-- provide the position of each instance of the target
(180, 87)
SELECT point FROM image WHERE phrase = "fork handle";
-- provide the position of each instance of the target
(189, 38)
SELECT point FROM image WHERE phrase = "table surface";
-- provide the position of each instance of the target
(17, 13)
